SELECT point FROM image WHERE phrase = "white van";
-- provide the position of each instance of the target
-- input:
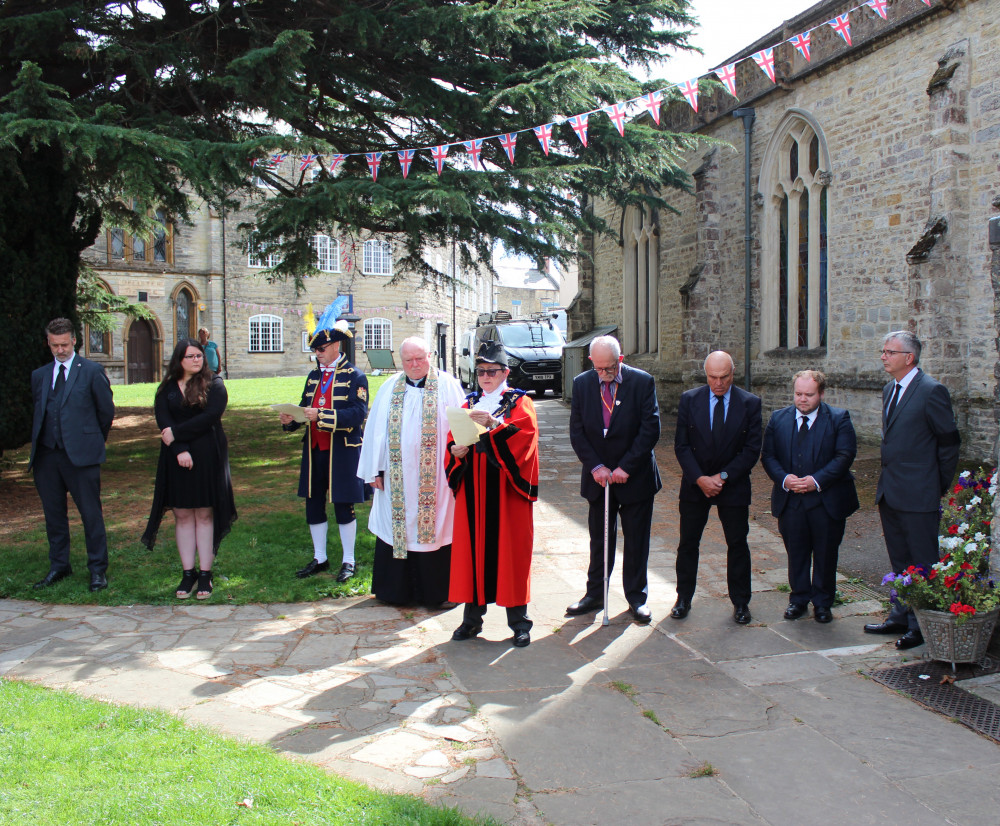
(466, 364)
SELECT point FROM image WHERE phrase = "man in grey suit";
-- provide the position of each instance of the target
(920, 444)
(74, 409)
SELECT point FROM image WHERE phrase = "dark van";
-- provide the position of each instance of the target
(533, 345)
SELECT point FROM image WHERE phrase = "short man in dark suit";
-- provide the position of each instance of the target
(614, 425)
(74, 408)
(920, 445)
(808, 451)
(717, 444)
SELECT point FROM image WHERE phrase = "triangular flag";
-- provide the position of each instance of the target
(335, 162)
(652, 102)
(689, 88)
(727, 74)
(439, 153)
(306, 162)
(277, 158)
(544, 135)
(617, 114)
(474, 148)
(842, 26)
(509, 142)
(765, 59)
(374, 159)
(579, 124)
(405, 159)
(878, 6)
(801, 42)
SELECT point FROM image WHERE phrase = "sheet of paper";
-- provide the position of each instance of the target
(292, 410)
(463, 429)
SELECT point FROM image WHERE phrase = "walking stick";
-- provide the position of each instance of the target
(607, 508)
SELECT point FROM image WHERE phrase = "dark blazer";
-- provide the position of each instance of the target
(633, 432)
(919, 446)
(696, 451)
(834, 446)
(88, 408)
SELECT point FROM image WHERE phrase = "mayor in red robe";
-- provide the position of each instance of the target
(495, 483)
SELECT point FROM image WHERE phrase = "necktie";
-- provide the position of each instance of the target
(60, 381)
(718, 418)
(607, 402)
(803, 427)
(892, 402)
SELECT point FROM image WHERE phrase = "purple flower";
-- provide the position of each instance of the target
(888, 579)
(893, 596)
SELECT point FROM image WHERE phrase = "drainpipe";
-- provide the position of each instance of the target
(748, 115)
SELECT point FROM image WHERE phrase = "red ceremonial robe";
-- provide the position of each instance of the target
(495, 484)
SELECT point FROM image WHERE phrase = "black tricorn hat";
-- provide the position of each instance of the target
(491, 352)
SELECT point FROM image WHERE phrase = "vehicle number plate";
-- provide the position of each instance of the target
(545, 377)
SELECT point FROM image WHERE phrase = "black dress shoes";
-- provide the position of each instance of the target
(794, 611)
(640, 613)
(52, 577)
(346, 572)
(313, 568)
(823, 615)
(98, 582)
(741, 614)
(887, 627)
(522, 639)
(467, 632)
(681, 608)
(587, 605)
(911, 639)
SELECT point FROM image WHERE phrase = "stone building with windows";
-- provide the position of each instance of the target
(201, 274)
(875, 169)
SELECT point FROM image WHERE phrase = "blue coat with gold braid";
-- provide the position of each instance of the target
(341, 425)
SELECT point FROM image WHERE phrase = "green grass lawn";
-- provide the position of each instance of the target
(256, 562)
(66, 760)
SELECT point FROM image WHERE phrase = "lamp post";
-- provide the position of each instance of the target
(747, 114)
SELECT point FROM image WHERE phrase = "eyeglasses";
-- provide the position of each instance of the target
(608, 371)
(195, 356)
(894, 352)
(482, 371)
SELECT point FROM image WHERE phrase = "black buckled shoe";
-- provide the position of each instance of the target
(313, 568)
(346, 572)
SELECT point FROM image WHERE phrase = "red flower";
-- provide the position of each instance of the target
(957, 608)
(953, 529)
(949, 581)
(965, 566)
(957, 489)
(931, 574)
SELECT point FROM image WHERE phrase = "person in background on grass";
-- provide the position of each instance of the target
(496, 484)
(192, 476)
(211, 350)
(74, 408)
(335, 404)
(403, 459)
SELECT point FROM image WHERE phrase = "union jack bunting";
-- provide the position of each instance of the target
(405, 159)
(277, 158)
(374, 159)
(801, 42)
(579, 124)
(306, 162)
(335, 162)
(927, 2)
(544, 135)
(765, 59)
(842, 26)
(439, 153)
(474, 148)
(689, 88)
(652, 102)
(727, 74)
(509, 142)
(254, 162)
(617, 114)
(878, 6)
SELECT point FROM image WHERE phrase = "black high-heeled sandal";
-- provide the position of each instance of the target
(189, 576)
(204, 585)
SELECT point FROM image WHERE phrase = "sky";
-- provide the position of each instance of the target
(726, 26)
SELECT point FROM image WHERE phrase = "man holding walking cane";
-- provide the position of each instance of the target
(614, 425)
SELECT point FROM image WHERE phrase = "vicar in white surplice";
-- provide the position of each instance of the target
(402, 458)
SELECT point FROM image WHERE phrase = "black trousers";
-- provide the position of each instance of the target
(55, 477)
(735, 521)
(911, 538)
(812, 542)
(636, 517)
(517, 616)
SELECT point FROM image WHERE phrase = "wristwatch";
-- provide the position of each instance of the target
(723, 476)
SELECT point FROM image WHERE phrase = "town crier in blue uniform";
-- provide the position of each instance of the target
(335, 404)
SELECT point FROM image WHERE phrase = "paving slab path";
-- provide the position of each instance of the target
(698, 721)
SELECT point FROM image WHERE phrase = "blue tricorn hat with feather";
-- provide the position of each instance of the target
(328, 328)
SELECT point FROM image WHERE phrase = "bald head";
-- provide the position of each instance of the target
(719, 369)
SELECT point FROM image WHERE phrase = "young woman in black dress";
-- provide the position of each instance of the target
(192, 477)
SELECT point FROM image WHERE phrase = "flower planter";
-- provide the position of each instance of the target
(953, 643)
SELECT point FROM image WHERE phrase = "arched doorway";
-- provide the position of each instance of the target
(139, 353)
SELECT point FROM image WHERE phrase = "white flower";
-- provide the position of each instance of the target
(963, 528)
(949, 543)
(975, 500)
(979, 537)
(965, 474)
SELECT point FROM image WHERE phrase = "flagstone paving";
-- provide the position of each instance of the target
(689, 722)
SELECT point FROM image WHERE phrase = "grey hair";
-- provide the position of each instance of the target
(606, 341)
(908, 340)
(416, 341)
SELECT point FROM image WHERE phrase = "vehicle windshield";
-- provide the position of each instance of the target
(529, 335)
